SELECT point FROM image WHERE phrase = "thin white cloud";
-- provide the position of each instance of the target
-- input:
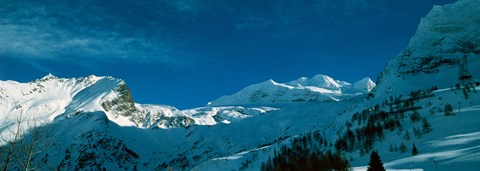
(33, 33)
(90, 31)
(38, 66)
(30, 42)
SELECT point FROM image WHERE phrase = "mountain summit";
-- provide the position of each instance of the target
(318, 88)
(93, 123)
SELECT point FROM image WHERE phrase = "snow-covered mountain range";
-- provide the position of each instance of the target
(93, 123)
(317, 88)
(51, 98)
(100, 109)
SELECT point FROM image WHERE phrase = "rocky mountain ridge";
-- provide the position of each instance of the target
(93, 123)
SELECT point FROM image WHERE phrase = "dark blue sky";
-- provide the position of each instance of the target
(187, 52)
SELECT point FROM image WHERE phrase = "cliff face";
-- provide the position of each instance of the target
(93, 123)
(443, 38)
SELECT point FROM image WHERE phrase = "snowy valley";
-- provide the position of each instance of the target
(428, 97)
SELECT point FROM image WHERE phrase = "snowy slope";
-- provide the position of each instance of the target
(98, 112)
(317, 88)
(453, 146)
(47, 98)
(93, 123)
(88, 136)
(454, 141)
(428, 61)
(44, 99)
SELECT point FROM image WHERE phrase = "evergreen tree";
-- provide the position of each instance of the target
(415, 116)
(417, 132)
(402, 148)
(414, 150)
(375, 163)
(407, 135)
(301, 156)
(426, 126)
(448, 109)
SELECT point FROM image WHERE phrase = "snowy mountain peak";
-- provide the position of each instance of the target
(366, 85)
(52, 99)
(270, 82)
(299, 82)
(324, 81)
(318, 88)
(48, 76)
(95, 124)
(319, 80)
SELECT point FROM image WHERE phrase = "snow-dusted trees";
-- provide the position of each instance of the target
(10, 145)
(34, 142)
(18, 150)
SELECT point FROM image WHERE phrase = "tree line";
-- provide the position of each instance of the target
(306, 152)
